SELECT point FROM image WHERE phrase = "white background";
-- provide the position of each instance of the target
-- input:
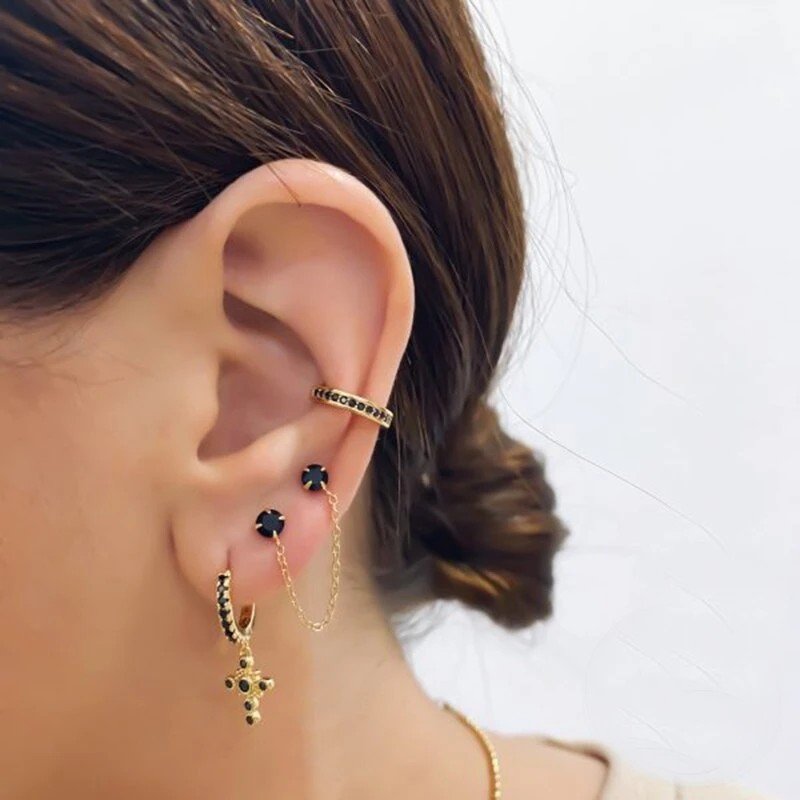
(661, 385)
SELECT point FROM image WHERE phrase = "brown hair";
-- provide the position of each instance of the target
(120, 119)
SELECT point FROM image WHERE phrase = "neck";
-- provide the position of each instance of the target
(347, 719)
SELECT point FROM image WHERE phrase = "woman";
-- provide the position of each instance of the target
(258, 264)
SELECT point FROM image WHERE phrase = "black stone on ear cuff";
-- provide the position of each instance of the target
(314, 477)
(269, 523)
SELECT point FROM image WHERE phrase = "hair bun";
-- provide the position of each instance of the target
(486, 519)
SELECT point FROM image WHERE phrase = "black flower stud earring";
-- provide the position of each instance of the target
(270, 522)
(314, 477)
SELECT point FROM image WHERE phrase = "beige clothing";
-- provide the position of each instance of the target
(625, 783)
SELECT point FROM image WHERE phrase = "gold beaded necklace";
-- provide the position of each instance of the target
(496, 792)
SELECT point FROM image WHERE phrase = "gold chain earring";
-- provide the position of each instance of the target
(248, 680)
(270, 523)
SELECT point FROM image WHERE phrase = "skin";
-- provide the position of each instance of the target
(141, 437)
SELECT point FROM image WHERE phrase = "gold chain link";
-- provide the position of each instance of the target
(336, 547)
(496, 791)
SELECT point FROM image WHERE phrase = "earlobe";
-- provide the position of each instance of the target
(317, 290)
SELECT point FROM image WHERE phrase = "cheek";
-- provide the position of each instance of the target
(79, 516)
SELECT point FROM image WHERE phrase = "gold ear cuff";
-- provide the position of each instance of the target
(354, 403)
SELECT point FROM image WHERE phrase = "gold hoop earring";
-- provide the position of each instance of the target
(354, 403)
(247, 680)
(270, 523)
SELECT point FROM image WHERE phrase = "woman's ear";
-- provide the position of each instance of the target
(301, 278)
